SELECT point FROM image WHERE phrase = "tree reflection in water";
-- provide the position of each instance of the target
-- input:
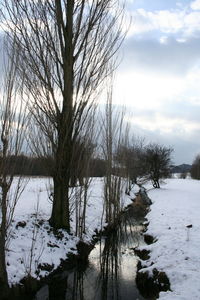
(111, 270)
(112, 266)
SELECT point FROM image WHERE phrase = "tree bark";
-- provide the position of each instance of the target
(3, 272)
(60, 212)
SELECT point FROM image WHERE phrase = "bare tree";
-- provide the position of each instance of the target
(82, 155)
(12, 131)
(157, 162)
(112, 128)
(64, 47)
(129, 155)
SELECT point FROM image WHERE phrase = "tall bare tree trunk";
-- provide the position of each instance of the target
(60, 211)
(3, 272)
(4, 185)
(109, 163)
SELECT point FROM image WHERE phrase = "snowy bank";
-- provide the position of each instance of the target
(34, 248)
(175, 223)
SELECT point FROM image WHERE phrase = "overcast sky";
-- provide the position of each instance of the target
(159, 77)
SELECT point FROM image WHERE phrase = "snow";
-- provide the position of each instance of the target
(176, 251)
(32, 241)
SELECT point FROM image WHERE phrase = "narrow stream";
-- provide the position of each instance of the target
(110, 273)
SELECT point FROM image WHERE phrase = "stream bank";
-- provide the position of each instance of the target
(149, 285)
(28, 286)
(108, 273)
(110, 270)
(56, 280)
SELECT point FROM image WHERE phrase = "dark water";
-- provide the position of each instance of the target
(111, 270)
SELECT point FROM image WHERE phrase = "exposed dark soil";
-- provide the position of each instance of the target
(151, 286)
(142, 254)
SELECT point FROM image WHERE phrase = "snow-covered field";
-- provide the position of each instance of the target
(176, 252)
(32, 242)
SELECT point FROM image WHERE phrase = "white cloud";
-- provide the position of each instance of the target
(195, 100)
(146, 89)
(164, 40)
(160, 78)
(141, 21)
(166, 21)
(165, 125)
(195, 5)
(181, 40)
(162, 103)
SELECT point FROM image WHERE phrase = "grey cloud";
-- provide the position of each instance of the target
(185, 148)
(186, 145)
(149, 54)
(183, 110)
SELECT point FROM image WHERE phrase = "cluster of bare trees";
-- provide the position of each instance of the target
(64, 47)
(112, 125)
(59, 55)
(13, 116)
(145, 162)
(130, 155)
(59, 52)
(126, 160)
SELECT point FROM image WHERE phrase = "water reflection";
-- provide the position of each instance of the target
(117, 261)
(111, 270)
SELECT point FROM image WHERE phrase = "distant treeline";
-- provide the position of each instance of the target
(43, 166)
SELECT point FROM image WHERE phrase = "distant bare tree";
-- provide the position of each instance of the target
(183, 175)
(129, 155)
(64, 48)
(157, 163)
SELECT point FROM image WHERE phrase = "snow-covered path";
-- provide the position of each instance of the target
(175, 206)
